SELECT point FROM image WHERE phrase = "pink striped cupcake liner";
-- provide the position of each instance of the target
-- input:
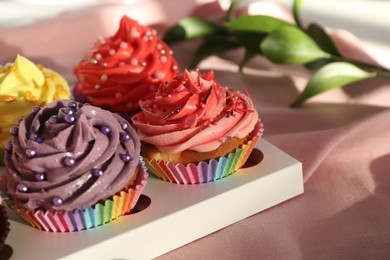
(102, 213)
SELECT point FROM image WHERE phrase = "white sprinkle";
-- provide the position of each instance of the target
(129, 104)
(162, 51)
(98, 56)
(104, 64)
(159, 75)
(123, 45)
(134, 33)
(121, 64)
(159, 46)
(148, 33)
(94, 61)
(174, 67)
(97, 86)
(134, 62)
(112, 52)
(170, 52)
(145, 38)
(103, 77)
(118, 95)
(143, 63)
(163, 59)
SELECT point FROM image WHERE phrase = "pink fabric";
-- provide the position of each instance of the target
(342, 138)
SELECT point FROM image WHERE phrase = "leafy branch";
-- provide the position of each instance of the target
(280, 42)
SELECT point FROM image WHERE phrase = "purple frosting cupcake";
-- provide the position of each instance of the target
(69, 163)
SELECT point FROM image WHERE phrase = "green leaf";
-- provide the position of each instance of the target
(248, 56)
(318, 34)
(251, 30)
(296, 12)
(291, 45)
(255, 23)
(250, 40)
(212, 47)
(192, 28)
(331, 76)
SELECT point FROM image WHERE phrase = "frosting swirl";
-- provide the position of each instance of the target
(125, 67)
(24, 85)
(193, 112)
(68, 156)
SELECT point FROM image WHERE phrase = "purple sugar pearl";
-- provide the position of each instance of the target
(40, 176)
(21, 187)
(70, 119)
(32, 136)
(36, 109)
(105, 130)
(30, 152)
(69, 161)
(97, 172)
(68, 111)
(39, 140)
(72, 104)
(124, 137)
(57, 201)
(125, 157)
(54, 119)
(14, 131)
(8, 147)
(124, 125)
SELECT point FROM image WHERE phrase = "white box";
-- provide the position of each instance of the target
(177, 215)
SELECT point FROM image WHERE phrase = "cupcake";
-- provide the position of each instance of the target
(124, 68)
(4, 224)
(196, 131)
(24, 85)
(71, 167)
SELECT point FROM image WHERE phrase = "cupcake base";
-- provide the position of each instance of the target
(205, 171)
(118, 205)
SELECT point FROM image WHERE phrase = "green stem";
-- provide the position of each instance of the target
(230, 11)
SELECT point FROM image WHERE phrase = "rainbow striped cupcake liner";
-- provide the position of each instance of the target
(205, 171)
(118, 205)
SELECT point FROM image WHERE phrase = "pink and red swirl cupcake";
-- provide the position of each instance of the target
(71, 167)
(124, 68)
(196, 131)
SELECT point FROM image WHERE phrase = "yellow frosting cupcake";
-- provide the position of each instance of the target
(24, 85)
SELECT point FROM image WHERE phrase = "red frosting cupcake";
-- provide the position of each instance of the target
(124, 68)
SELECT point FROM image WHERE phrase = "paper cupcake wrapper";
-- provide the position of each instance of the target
(80, 219)
(195, 173)
(2, 153)
(4, 226)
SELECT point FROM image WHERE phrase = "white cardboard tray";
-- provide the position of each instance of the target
(177, 215)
